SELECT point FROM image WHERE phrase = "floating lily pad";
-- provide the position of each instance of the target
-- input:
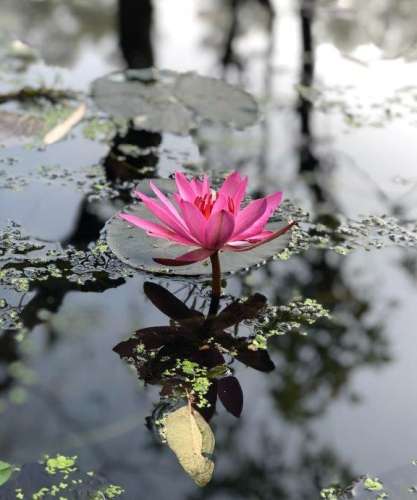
(166, 101)
(167, 186)
(135, 248)
(216, 101)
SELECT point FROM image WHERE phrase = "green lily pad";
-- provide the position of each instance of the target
(134, 247)
(166, 101)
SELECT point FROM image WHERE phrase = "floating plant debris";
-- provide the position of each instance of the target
(368, 232)
(26, 263)
(21, 167)
(398, 484)
(57, 476)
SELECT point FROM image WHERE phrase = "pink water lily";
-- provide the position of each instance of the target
(208, 220)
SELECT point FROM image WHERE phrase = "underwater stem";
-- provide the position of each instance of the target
(216, 283)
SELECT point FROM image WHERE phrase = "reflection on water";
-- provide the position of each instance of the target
(192, 362)
(314, 407)
(195, 339)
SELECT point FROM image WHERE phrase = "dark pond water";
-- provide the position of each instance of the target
(336, 82)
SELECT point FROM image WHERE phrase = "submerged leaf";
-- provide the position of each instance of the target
(168, 304)
(258, 360)
(231, 395)
(189, 436)
(237, 311)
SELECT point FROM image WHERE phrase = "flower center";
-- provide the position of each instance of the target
(206, 203)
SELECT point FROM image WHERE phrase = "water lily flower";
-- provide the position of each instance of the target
(208, 220)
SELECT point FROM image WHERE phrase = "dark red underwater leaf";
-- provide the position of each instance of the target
(231, 395)
(237, 312)
(168, 304)
(259, 359)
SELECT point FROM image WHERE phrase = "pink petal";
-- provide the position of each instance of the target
(272, 201)
(196, 187)
(164, 215)
(234, 187)
(219, 229)
(165, 200)
(200, 188)
(234, 247)
(258, 237)
(231, 185)
(251, 214)
(222, 203)
(240, 194)
(187, 258)
(253, 239)
(195, 220)
(205, 187)
(177, 198)
(155, 229)
(184, 188)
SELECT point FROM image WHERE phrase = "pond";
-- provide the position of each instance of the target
(121, 377)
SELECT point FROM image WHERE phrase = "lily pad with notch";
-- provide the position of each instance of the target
(167, 101)
(135, 248)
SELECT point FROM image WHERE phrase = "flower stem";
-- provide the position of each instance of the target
(216, 283)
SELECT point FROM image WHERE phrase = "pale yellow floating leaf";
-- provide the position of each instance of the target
(206, 433)
(189, 436)
(62, 129)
